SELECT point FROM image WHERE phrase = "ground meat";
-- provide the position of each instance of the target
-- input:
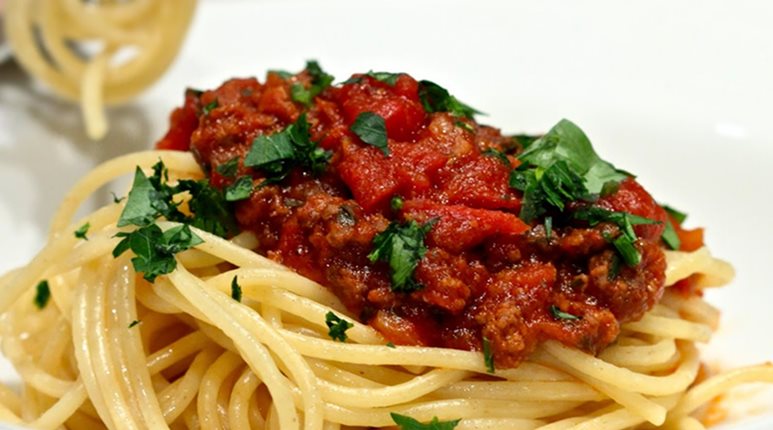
(486, 274)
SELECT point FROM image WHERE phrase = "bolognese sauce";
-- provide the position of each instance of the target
(430, 227)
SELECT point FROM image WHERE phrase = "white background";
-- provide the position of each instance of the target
(679, 93)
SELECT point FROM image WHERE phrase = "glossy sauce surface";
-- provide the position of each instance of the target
(485, 274)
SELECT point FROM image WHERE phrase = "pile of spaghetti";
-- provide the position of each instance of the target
(97, 53)
(155, 311)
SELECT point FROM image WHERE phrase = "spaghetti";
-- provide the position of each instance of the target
(112, 350)
(97, 53)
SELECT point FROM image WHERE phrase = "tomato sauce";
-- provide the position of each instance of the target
(485, 274)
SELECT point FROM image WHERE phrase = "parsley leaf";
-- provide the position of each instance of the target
(319, 81)
(211, 211)
(396, 203)
(488, 355)
(371, 129)
(239, 190)
(561, 167)
(236, 290)
(229, 168)
(385, 77)
(144, 203)
(134, 323)
(277, 153)
(558, 314)
(209, 107)
(524, 140)
(81, 232)
(465, 126)
(42, 294)
(435, 98)
(155, 249)
(402, 247)
(408, 423)
(670, 237)
(337, 327)
(625, 221)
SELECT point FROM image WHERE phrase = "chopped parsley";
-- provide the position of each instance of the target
(408, 423)
(402, 247)
(388, 78)
(625, 242)
(676, 214)
(151, 198)
(435, 98)
(134, 323)
(209, 107)
(117, 199)
(241, 189)
(524, 140)
(396, 203)
(390, 345)
(669, 236)
(229, 168)
(558, 314)
(236, 290)
(155, 249)
(465, 126)
(319, 81)
(488, 355)
(278, 153)
(81, 232)
(499, 155)
(337, 327)
(371, 129)
(42, 294)
(548, 227)
(558, 168)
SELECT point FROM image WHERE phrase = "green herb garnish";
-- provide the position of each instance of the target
(558, 314)
(337, 327)
(134, 323)
(385, 77)
(117, 199)
(548, 227)
(236, 290)
(465, 126)
(81, 232)
(402, 247)
(558, 168)
(241, 189)
(390, 345)
(676, 214)
(435, 98)
(155, 249)
(319, 81)
(278, 153)
(229, 168)
(670, 237)
(408, 423)
(209, 107)
(625, 242)
(371, 129)
(396, 203)
(488, 355)
(42, 294)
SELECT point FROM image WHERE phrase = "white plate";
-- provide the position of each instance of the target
(680, 93)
